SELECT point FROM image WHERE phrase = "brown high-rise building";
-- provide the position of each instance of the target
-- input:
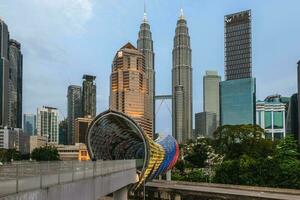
(129, 91)
(81, 128)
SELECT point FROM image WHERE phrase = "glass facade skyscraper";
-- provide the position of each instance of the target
(237, 101)
(205, 124)
(4, 74)
(29, 125)
(74, 111)
(15, 84)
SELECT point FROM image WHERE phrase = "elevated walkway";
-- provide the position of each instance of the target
(66, 180)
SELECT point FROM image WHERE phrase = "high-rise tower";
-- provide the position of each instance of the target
(74, 111)
(182, 83)
(238, 91)
(129, 90)
(211, 91)
(238, 49)
(4, 74)
(145, 45)
(47, 123)
(15, 84)
(88, 96)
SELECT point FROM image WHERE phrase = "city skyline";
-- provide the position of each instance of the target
(265, 54)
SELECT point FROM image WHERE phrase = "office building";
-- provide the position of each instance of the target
(4, 74)
(211, 92)
(205, 124)
(47, 123)
(88, 96)
(73, 152)
(74, 110)
(129, 90)
(145, 45)
(182, 104)
(81, 128)
(238, 48)
(15, 84)
(63, 131)
(271, 116)
(237, 101)
(238, 91)
(29, 125)
(14, 138)
(37, 141)
(292, 122)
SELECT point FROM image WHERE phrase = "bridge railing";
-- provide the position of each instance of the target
(21, 177)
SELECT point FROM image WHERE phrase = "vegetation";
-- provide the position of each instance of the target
(240, 155)
(46, 153)
(7, 155)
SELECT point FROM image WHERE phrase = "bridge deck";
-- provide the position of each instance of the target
(21, 177)
(221, 190)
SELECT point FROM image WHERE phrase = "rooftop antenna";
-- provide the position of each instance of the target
(145, 19)
(181, 16)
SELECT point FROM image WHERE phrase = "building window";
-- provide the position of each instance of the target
(268, 119)
(278, 119)
(278, 136)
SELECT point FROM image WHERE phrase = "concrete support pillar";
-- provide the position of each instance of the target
(177, 197)
(168, 175)
(121, 194)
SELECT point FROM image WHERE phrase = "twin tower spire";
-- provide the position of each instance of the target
(181, 76)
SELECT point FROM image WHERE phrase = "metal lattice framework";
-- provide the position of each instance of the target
(114, 136)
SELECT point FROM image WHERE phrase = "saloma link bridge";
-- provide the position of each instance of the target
(125, 158)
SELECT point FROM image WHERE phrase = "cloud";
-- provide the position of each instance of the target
(43, 27)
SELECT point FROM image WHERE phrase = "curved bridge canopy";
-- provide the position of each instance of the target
(114, 136)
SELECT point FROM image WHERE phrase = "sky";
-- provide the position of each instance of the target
(64, 39)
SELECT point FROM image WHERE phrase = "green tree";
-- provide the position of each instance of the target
(7, 155)
(234, 140)
(198, 155)
(47, 153)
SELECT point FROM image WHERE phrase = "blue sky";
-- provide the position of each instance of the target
(64, 39)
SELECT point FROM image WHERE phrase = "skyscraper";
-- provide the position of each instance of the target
(238, 91)
(88, 96)
(29, 125)
(47, 123)
(4, 74)
(238, 47)
(182, 83)
(211, 91)
(145, 45)
(74, 110)
(15, 84)
(63, 132)
(205, 124)
(292, 121)
(81, 127)
(129, 90)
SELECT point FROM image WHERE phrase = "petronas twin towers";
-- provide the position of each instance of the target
(182, 103)
(139, 102)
